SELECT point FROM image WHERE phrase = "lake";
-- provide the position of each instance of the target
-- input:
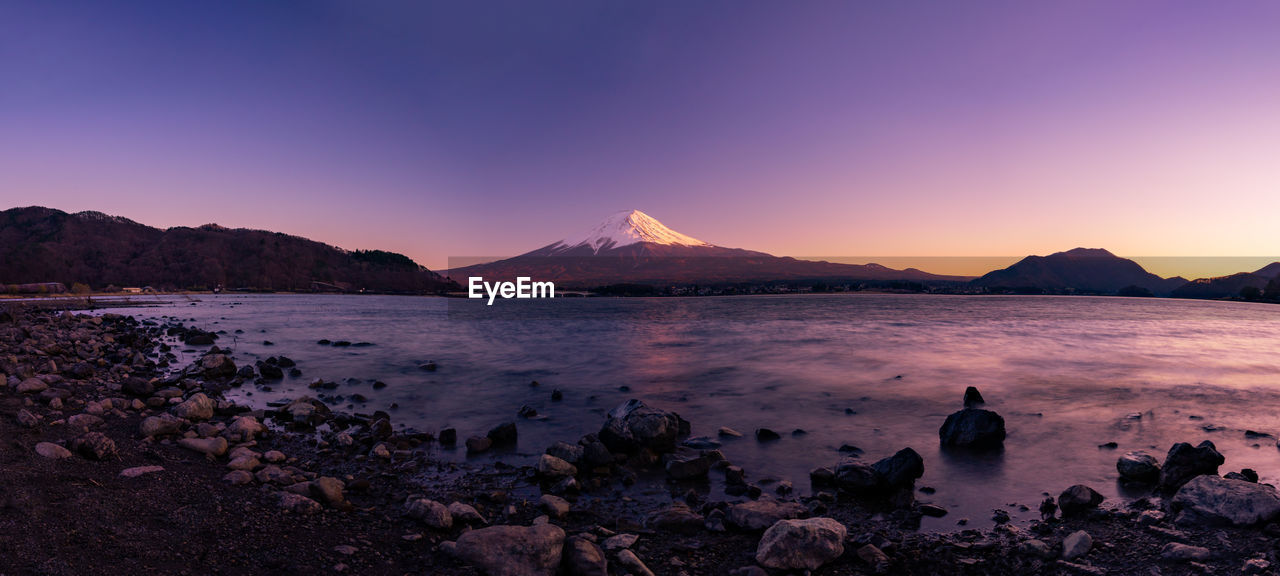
(1067, 373)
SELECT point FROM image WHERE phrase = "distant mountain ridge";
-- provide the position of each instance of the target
(1231, 285)
(43, 244)
(633, 247)
(1080, 270)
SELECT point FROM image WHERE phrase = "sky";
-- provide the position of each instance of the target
(810, 128)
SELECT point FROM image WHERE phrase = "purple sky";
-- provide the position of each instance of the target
(443, 129)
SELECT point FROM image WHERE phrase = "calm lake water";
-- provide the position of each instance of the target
(1067, 374)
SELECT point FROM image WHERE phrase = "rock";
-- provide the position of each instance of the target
(434, 514)
(161, 425)
(27, 420)
(449, 437)
(632, 563)
(931, 510)
(210, 446)
(79, 371)
(973, 428)
(274, 456)
(466, 514)
(583, 557)
(137, 386)
(676, 518)
(1150, 517)
(272, 474)
(901, 469)
(32, 386)
(874, 557)
(513, 550)
(1255, 566)
(1247, 474)
(767, 435)
(633, 426)
(297, 503)
(270, 371)
(381, 452)
(52, 451)
(801, 544)
(757, 515)
(197, 407)
(1078, 499)
(1138, 467)
(84, 421)
(973, 398)
(595, 454)
(478, 444)
(727, 432)
(1213, 500)
(1037, 548)
(1178, 552)
(1185, 462)
(857, 478)
(247, 463)
(137, 471)
(217, 366)
(554, 506)
(571, 453)
(689, 467)
(245, 428)
(95, 446)
(238, 477)
(1076, 544)
(619, 542)
(328, 490)
(553, 468)
(504, 434)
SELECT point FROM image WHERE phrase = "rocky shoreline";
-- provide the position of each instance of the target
(116, 459)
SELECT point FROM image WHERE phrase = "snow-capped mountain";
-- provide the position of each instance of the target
(633, 247)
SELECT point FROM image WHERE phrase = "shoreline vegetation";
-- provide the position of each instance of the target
(119, 459)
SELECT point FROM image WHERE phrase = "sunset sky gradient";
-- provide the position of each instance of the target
(441, 129)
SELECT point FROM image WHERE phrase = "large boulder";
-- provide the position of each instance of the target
(513, 550)
(1138, 467)
(633, 426)
(973, 428)
(217, 366)
(197, 407)
(801, 544)
(1208, 499)
(1079, 499)
(900, 470)
(1185, 462)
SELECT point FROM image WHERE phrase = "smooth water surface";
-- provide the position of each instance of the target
(1067, 373)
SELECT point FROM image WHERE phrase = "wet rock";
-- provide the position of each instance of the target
(801, 544)
(900, 470)
(1179, 552)
(1078, 499)
(434, 514)
(1138, 467)
(1185, 462)
(633, 564)
(245, 428)
(449, 437)
(1247, 474)
(633, 426)
(52, 451)
(466, 514)
(767, 435)
(689, 467)
(95, 446)
(931, 510)
(513, 550)
(727, 432)
(32, 386)
(270, 371)
(1076, 544)
(504, 434)
(553, 506)
(595, 454)
(874, 557)
(676, 518)
(757, 515)
(571, 453)
(973, 428)
(973, 398)
(478, 444)
(161, 425)
(583, 557)
(245, 372)
(217, 366)
(297, 503)
(527, 411)
(197, 407)
(552, 468)
(857, 478)
(1214, 500)
(211, 446)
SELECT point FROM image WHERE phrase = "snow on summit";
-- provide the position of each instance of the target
(629, 227)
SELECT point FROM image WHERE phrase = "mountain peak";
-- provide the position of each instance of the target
(1086, 253)
(630, 227)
